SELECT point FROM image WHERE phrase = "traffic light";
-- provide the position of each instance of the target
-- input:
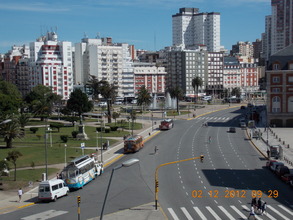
(78, 199)
(201, 158)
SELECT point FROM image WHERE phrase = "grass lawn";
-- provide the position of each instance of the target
(23, 177)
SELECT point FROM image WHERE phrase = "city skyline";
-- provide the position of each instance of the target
(147, 25)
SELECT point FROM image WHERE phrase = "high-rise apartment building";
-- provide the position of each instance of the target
(106, 61)
(192, 29)
(279, 27)
(51, 65)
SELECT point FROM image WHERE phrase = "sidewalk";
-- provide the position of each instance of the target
(9, 199)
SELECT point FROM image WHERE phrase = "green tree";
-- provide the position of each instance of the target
(196, 82)
(79, 102)
(10, 131)
(115, 115)
(176, 92)
(94, 84)
(236, 92)
(41, 101)
(12, 157)
(10, 98)
(109, 93)
(144, 98)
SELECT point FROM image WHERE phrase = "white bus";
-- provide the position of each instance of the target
(81, 171)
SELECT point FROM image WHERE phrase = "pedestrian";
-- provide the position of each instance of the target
(19, 194)
(263, 208)
(259, 204)
(252, 213)
(156, 149)
(253, 202)
(57, 176)
(210, 139)
(268, 153)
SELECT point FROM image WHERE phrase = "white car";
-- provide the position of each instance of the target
(118, 103)
(134, 101)
(102, 104)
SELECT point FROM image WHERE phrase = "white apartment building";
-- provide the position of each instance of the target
(107, 61)
(51, 64)
(192, 29)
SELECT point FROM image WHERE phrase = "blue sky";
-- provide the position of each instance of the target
(145, 23)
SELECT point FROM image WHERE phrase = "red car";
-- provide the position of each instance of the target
(287, 177)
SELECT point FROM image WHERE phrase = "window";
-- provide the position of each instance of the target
(276, 104)
(276, 79)
(276, 66)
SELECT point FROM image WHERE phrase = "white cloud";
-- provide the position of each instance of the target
(35, 7)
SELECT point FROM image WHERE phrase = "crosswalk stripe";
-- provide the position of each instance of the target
(45, 215)
(186, 213)
(213, 213)
(285, 209)
(247, 209)
(226, 212)
(200, 213)
(239, 212)
(175, 217)
(279, 213)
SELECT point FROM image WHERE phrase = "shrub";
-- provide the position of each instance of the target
(114, 128)
(64, 138)
(99, 129)
(107, 130)
(74, 134)
(56, 125)
(34, 129)
(39, 136)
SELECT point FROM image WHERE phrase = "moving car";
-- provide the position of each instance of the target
(274, 165)
(232, 130)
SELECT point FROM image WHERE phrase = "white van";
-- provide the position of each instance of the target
(52, 189)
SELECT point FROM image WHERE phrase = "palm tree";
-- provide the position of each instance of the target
(94, 84)
(109, 92)
(10, 131)
(143, 97)
(196, 82)
(176, 92)
(12, 157)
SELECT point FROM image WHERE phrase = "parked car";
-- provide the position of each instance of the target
(118, 103)
(282, 170)
(102, 104)
(275, 165)
(232, 130)
(269, 163)
(287, 177)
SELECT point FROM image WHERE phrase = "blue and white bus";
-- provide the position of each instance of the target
(81, 171)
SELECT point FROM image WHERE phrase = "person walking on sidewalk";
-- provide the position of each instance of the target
(156, 149)
(19, 194)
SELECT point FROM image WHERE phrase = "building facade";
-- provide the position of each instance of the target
(51, 64)
(279, 76)
(150, 76)
(192, 29)
(106, 61)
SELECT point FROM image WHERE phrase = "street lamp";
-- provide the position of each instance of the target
(46, 153)
(6, 121)
(127, 163)
(65, 146)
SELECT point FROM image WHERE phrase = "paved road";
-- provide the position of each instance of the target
(148, 207)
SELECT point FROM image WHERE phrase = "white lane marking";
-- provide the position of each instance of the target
(226, 212)
(279, 213)
(213, 213)
(175, 217)
(200, 213)
(186, 213)
(239, 212)
(287, 210)
(45, 215)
